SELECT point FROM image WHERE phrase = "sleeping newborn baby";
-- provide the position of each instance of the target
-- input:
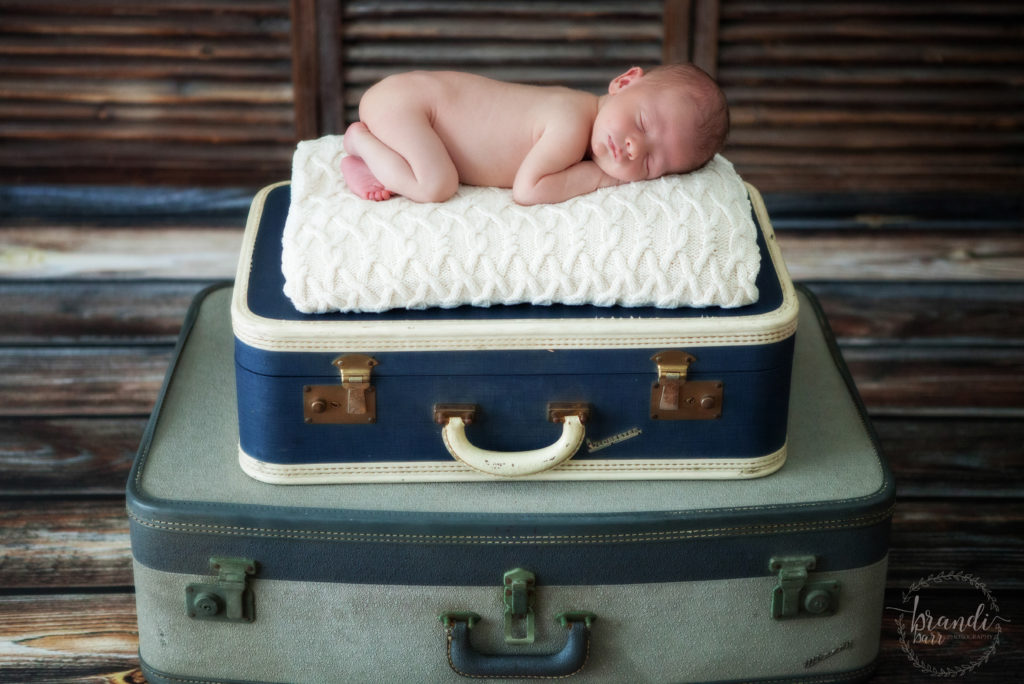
(422, 133)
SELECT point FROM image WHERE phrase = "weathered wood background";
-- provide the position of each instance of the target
(872, 95)
(886, 135)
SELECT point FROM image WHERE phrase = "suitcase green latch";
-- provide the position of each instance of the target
(518, 587)
(796, 597)
(226, 600)
(517, 590)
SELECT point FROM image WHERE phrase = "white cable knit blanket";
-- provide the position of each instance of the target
(682, 240)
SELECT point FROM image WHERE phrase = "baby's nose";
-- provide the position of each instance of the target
(632, 148)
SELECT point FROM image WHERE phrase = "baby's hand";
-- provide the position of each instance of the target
(579, 179)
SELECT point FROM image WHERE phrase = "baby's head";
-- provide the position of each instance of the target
(694, 84)
(671, 119)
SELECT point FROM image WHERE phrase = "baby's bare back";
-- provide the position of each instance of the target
(487, 126)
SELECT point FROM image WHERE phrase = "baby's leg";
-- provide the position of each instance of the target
(403, 152)
(358, 176)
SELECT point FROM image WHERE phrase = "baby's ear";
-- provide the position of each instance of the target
(624, 79)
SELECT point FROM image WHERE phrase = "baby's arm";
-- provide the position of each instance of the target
(552, 171)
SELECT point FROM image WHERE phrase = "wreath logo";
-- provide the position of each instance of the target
(922, 632)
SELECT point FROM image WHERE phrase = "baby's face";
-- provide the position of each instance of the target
(645, 129)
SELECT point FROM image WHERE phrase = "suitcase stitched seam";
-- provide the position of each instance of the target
(699, 464)
(623, 537)
(703, 465)
(274, 344)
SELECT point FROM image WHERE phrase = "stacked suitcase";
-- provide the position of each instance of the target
(704, 500)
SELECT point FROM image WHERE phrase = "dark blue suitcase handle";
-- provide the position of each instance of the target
(466, 661)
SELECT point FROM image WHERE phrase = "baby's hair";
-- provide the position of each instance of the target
(713, 127)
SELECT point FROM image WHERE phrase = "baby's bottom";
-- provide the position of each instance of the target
(403, 153)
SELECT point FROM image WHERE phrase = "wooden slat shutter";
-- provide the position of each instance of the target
(582, 44)
(171, 91)
(876, 95)
(851, 96)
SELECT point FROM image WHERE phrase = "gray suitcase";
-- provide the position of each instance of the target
(777, 579)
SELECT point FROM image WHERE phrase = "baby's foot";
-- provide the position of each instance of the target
(361, 181)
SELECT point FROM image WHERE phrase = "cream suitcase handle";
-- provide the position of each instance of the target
(455, 417)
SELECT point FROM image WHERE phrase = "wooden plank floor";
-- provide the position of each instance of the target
(929, 315)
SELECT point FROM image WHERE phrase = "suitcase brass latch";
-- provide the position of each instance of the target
(673, 397)
(228, 599)
(794, 596)
(353, 401)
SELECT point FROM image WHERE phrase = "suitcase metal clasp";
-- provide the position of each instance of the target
(673, 397)
(794, 596)
(518, 587)
(228, 599)
(353, 401)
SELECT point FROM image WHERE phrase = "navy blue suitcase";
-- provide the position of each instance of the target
(539, 392)
(773, 579)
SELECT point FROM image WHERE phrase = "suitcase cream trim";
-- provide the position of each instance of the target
(454, 471)
(449, 335)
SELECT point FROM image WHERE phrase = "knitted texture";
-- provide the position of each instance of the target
(681, 240)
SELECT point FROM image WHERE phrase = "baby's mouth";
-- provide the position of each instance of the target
(613, 148)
